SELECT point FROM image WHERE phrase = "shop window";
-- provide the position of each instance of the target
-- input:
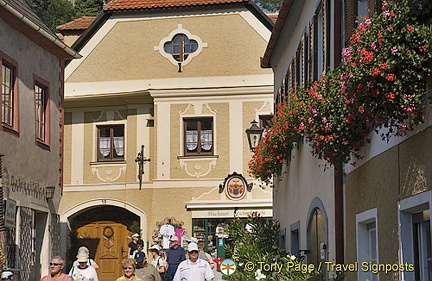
(367, 242)
(198, 136)
(110, 143)
(415, 236)
(42, 111)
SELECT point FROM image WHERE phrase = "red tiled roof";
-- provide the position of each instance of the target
(273, 16)
(154, 4)
(81, 23)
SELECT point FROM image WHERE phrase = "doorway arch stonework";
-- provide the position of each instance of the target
(99, 202)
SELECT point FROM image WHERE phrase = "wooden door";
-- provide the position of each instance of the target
(108, 244)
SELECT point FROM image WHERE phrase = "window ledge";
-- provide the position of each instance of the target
(122, 162)
(198, 156)
(42, 145)
(6, 128)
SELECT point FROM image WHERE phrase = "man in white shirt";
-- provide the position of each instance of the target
(194, 269)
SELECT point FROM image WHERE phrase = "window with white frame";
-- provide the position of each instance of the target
(422, 245)
(415, 236)
(111, 142)
(198, 136)
(367, 242)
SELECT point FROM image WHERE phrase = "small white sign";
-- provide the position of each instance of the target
(10, 213)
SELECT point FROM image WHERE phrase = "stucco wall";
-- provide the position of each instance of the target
(393, 175)
(226, 53)
(24, 160)
(302, 182)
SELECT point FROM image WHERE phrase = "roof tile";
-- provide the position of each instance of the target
(273, 16)
(81, 23)
(154, 4)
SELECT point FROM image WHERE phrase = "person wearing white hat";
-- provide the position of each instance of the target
(133, 245)
(159, 262)
(194, 268)
(176, 255)
(7, 275)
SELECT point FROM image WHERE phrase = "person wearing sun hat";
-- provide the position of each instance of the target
(194, 268)
(159, 263)
(176, 255)
(90, 261)
(83, 272)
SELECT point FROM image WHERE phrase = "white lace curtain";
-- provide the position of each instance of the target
(105, 145)
(206, 139)
(192, 140)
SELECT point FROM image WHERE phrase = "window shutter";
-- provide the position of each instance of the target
(313, 48)
(350, 18)
(305, 57)
(373, 6)
(326, 34)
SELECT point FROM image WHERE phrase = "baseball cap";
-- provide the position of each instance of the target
(192, 247)
(174, 238)
(135, 235)
(193, 240)
(139, 257)
(155, 247)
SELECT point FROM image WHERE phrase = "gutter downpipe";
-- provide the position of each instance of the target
(338, 167)
(38, 29)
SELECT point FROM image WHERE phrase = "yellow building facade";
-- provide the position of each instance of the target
(183, 83)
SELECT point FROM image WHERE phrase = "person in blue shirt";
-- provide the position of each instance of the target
(176, 255)
(139, 257)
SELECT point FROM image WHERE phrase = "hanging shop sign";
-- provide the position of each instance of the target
(10, 213)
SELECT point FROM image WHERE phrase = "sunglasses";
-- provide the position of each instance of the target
(55, 264)
(128, 268)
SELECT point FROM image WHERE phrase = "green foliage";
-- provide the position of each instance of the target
(380, 86)
(88, 7)
(254, 242)
(53, 12)
(269, 5)
(135, 228)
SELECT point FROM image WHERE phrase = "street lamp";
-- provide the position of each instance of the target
(254, 134)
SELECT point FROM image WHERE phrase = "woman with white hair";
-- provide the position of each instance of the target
(90, 262)
(56, 274)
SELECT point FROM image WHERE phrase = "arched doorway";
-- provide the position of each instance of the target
(317, 235)
(317, 244)
(106, 231)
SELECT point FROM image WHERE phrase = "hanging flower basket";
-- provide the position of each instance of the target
(380, 86)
